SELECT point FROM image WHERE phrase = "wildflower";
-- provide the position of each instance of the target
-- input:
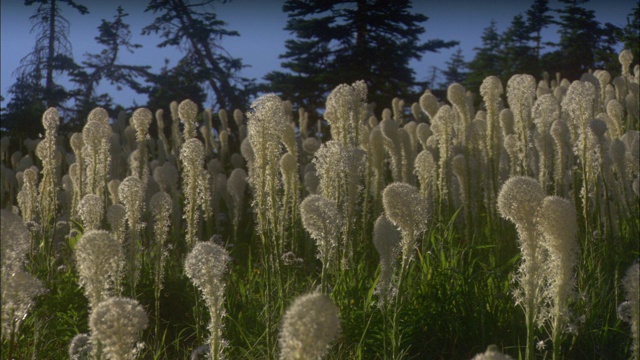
(491, 89)
(131, 192)
(236, 186)
(266, 122)
(91, 211)
(518, 201)
(14, 241)
(492, 353)
(309, 326)
(28, 196)
(423, 132)
(386, 239)
(407, 210)
(100, 261)
(625, 58)
(310, 145)
(80, 347)
(166, 176)
(631, 312)
(46, 152)
(187, 111)
(340, 169)
(425, 169)
(346, 111)
(116, 324)
(558, 224)
(196, 186)
(521, 92)
(322, 220)
(95, 152)
(443, 133)
(429, 104)
(98, 114)
(117, 217)
(19, 289)
(456, 94)
(205, 266)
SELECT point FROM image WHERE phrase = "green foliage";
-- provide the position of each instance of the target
(22, 114)
(198, 32)
(455, 297)
(115, 37)
(52, 51)
(456, 69)
(538, 19)
(487, 59)
(584, 43)
(517, 55)
(344, 41)
(176, 84)
(631, 32)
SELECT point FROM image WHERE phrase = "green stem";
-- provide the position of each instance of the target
(395, 339)
(529, 354)
(557, 336)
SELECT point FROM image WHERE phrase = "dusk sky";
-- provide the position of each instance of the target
(261, 40)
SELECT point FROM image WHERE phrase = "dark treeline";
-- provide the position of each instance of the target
(333, 42)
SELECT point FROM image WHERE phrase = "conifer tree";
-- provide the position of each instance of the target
(195, 29)
(517, 56)
(584, 43)
(183, 81)
(37, 86)
(456, 69)
(341, 41)
(115, 37)
(631, 32)
(487, 59)
(52, 51)
(537, 20)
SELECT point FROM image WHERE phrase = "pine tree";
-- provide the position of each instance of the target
(537, 20)
(115, 36)
(584, 43)
(198, 32)
(342, 41)
(517, 56)
(456, 69)
(176, 84)
(487, 59)
(631, 33)
(20, 116)
(37, 86)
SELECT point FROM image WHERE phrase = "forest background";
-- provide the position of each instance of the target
(229, 52)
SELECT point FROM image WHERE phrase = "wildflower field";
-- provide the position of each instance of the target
(496, 225)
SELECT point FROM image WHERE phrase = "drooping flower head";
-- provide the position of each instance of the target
(386, 239)
(322, 220)
(408, 210)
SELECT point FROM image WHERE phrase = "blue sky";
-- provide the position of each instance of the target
(261, 40)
